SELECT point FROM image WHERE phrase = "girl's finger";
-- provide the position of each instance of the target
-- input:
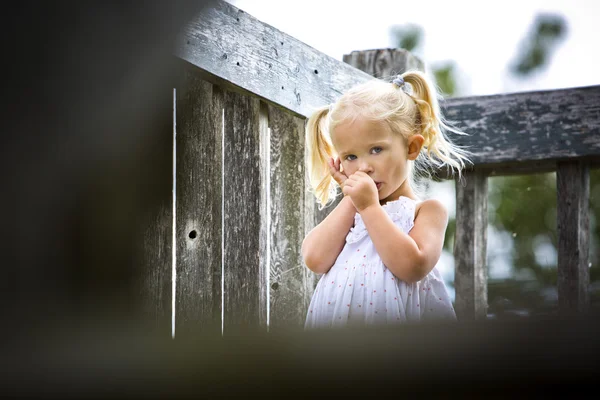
(338, 176)
(362, 176)
(331, 164)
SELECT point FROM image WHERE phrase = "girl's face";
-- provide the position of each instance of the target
(373, 148)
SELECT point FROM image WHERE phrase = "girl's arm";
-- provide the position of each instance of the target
(323, 244)
(411, 256)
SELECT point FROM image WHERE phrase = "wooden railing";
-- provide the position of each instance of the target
(242, 205)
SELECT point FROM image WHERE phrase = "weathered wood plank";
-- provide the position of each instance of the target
(291, 287)
(384, 63)
(237, 50)
(573, 194)
(265, 215)
(470, 241)
(529, 129)
(242, 217)
(198, 211)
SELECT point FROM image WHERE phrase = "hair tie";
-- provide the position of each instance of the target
(399, 81)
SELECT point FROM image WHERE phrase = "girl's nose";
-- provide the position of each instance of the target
(365, 167)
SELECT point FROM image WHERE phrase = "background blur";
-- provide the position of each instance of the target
(478, 48)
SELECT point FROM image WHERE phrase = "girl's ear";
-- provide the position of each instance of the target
(414, 145)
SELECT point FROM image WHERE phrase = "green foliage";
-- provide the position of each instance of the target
(526, 206)
(511, 202)
(408, 36)
(445, 77)
(542, 40)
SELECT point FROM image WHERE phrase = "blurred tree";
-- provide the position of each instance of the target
(408, 36)
(445, 77)
(535, 52)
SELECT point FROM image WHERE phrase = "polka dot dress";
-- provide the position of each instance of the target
(360, 290)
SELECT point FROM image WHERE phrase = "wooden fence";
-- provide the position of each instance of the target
(242, 207)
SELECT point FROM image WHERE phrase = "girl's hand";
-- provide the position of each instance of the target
(334, 169)
(362, 190)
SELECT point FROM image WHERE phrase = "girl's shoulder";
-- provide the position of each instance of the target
(430, 207)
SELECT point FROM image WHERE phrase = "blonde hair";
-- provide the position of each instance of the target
(407, 111)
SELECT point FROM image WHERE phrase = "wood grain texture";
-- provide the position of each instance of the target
(573, 194)
(198, 211)
(242, 216)
(528, 130)
(265, 234)
(384, 63)
(470, 245)
(239, 51)
(290, 282)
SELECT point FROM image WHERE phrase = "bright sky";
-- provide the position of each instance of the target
(480, 36)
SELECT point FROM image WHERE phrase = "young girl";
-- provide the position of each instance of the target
(377, 250)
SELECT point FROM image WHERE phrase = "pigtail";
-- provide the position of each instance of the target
(440, 149)
(319, 150)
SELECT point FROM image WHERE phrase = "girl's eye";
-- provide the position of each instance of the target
(376, 150)
(350, 157)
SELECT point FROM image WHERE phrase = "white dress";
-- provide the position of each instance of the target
(360, 290)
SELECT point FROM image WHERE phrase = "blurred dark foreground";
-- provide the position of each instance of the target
(517, 359)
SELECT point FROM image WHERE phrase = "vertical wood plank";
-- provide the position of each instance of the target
(291, 283)
(470, 246)
(198, 210)
(573, 193)
(242, 217)
(265, 234)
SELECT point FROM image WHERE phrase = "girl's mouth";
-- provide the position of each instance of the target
(378, 184)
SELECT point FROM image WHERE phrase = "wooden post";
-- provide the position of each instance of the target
(198, 210)
(470, 242)
(573, 193)
(384, 63)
